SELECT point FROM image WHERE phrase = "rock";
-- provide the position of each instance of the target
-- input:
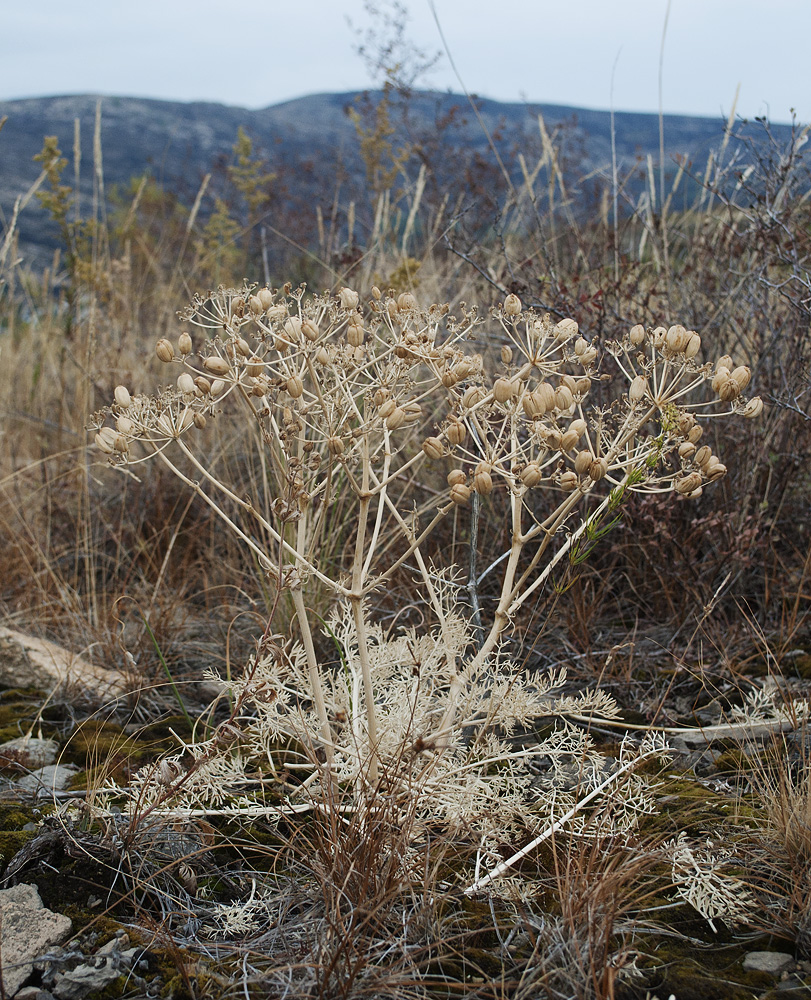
(773, 962)
(27, 930)
(33, 993)
(47, 780)
(26, 661)
(28, 752)
(84, 979)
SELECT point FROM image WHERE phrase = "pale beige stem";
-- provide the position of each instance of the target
(317, 689)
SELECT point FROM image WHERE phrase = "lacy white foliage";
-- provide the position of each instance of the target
(699, 877)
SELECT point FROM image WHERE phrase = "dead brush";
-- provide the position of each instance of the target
(336, 395)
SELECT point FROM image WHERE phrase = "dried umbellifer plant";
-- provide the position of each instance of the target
(339, 392)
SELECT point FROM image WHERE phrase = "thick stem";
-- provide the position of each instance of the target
(314, 672)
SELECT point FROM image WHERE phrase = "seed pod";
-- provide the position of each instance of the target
(597, 469)
(242, 347)
(124, 425)
(729, 391)
(413, 411)
(563, 397)
(570, 382)
(456, 477)
(582, 462)
(292, 331)
(725, 361)
(582, 385)
(685, 423)
(406, 302)
(686, 450)
(565, 330)
(255, 305)
(216, 365)
(693, 345)
(348, 298)
(720, 377)
(255, 366)
(295, 386)
(105, 440)
(395, 419)
(184, 344)
(121, 444)
(335, 446)
(742, 376)
(715, 470)
(185, 383)
(637, 334)
(581, 345)
(265, 296)
(122, 397)
(588, 356)
(512, 305)
(261, 386)
(703, 455)
(688, 484)
(387, 407)
(569, 440)
(547, 394)
(164, 350)
(310, 330)
(381, 395)
(753, 408)
(533, 405)
(553, 439)
(376, 293)
(695, 433)
(503, 390)
(322, 356)
(473, 395)
(568, 481)
(432, 447)
(203, 385)
(637, 388)
(659, 335)
(482, 480)
(455, 431)
(677, 338)
(463, 368)
(530, 475)
(449, 378)
(506, 354)
(217, 387)
(579, 427)
(460, 494)
(199, 421)
(354, 332)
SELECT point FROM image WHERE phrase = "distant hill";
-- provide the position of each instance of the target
(179, 142)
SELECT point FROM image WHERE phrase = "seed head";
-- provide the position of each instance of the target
(565, 330)
(506, 354)
(512, 305)
(688, 484)
(217, 387)
(456, 477)
(455, 431)
(335, 446)
(742, 376)
(265, 296)
(568, 481)
(310, 330)
(184, 344)
(637, 388)
(482, 480)
(295, 386)
(563, 397)
(753, 408)
(216, 365)
(203, 384)
(349, 299)
(472, 396)
(432, 447)
(354, 332)
(693, 345)
(122, 397)
(396, 418)
(406, 302)
(460, 494)
(105, 440)
(582, 462)
(124, 425)
(531, 475)
(255, 366)
(164, 350)
(597, 469)
(637, 334)
(185, 383)
(503, 390)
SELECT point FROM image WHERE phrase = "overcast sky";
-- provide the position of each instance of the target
(258, 52)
